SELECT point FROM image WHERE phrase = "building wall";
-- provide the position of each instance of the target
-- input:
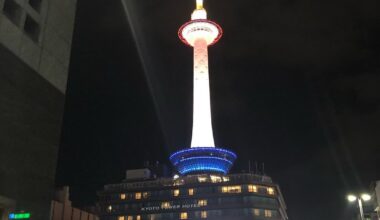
(40, 35)
(61, 211)
(35, 42)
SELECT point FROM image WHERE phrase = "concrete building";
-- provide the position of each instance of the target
(202, 196)
(61, 208)
(35, 44)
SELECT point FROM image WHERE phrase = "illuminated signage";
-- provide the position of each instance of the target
(157, 208)
(25, 215)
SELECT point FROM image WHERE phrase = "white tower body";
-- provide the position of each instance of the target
(200, 33)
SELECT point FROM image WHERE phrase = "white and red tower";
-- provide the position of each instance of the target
(201, 33)
(203, 156)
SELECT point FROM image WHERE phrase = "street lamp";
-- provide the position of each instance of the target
(363, 197)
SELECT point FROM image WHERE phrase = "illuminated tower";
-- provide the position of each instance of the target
(203, 156)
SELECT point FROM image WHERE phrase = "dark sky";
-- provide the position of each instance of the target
(280, 66)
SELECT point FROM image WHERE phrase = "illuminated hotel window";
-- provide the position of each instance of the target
(252, 188)
(145, 195)
(138, 195)
(270, 190)
(216, 179)
(121, 218)
(231, 189)
(165, 205)
(204, 214)
(138, 217)
(130, 218)
(256, 212)
(109, 208)
(183, 215)
(267, 213)
(202, 179)
(191, 192)
(176, 192)
(122, 196)
(202, 202)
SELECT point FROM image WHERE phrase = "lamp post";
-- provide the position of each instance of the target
(362, 198)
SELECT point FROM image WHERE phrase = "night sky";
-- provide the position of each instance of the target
(129, 95)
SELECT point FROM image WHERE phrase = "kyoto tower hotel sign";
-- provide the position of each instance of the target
(203, 156)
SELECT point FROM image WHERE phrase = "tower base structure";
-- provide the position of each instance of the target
(199, 160)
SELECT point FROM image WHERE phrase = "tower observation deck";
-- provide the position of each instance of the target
(203, 156)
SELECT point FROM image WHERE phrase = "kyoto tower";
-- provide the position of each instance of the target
(202, 156)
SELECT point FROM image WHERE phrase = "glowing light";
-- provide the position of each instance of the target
(199, 4)
(25, 215)
(365, 197)
(199, 14)
(351, 198)
(203, 160)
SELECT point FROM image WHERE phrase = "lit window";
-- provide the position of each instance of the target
(226, 179)
(270, 190)
(130, 218)
(216, 179)
(202, 179)
(138, 217)
(202, 202)
(231, 189)
(145, 195)
(122, 196)
(268, 213)
(121, 218)
(252, 188)
(256, 212)
(183, 215)
(138, 195)
(176, 192)
(204, 214)
(165, 205)
(191, 192)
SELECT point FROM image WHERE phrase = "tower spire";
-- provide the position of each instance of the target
(199, 4)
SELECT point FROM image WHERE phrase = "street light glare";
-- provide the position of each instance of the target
(351, 198)
(366, 197)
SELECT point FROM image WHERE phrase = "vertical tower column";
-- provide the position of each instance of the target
(202, 135)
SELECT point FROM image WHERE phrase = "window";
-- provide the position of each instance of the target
(202, 179)
(204, 214)
(121, 218)
(122, 196)
(252, 188)
(176, 192)
(267, 213)
(216, 179)
(231, 189)
(13, 11)
(138, 195)
(138, 217)
(256, 212)
(270, 190)
(183, 215)
(191, 192)
(32, 28)
(35, 4)
(109, 208)
(165, 205)
(130, 217)
(202, 202)
(145, 195)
